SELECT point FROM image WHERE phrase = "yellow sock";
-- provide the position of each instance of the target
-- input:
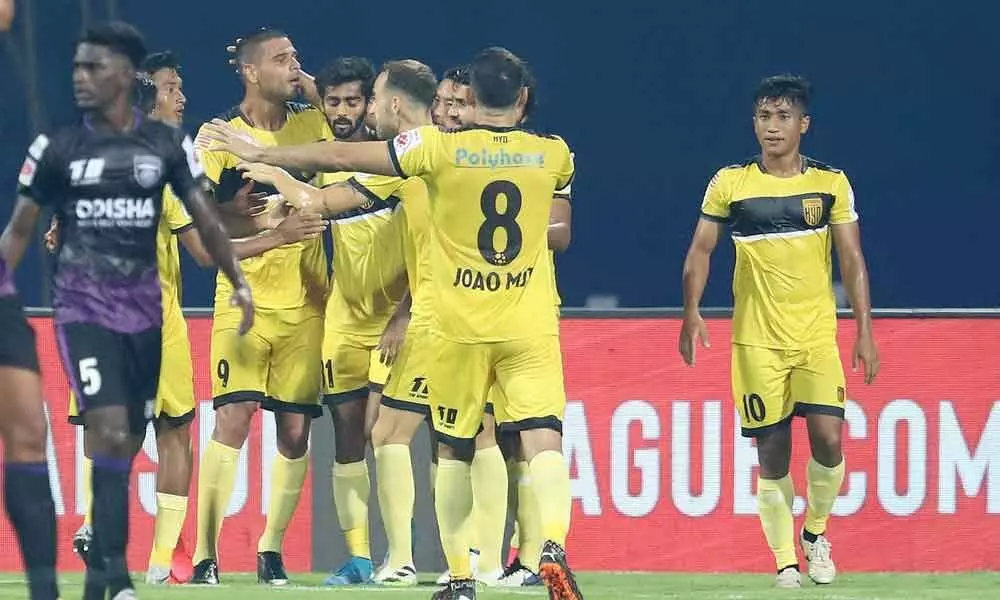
(823, 487)
(774, 504)
(88, 490)
(529, 526)
(394, 474)
(216, 479)
(550, 482)
(489, 494)
(170, 513)
(453, 505)
(351, 489)
(287, 477)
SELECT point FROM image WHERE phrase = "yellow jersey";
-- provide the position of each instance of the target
(174, 220)
(368, 262)
(783, 277)
(416, 231)
(294, 275)
(491, 194)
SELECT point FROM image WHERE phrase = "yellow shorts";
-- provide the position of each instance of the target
(276, 364)
(175, 390)
(406, 385)
(771, 386)
(351, 367)
(529, 373)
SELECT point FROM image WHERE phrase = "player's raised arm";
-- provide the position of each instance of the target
(366, 157)
(854, 273)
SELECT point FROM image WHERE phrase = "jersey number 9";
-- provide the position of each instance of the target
(497, 220)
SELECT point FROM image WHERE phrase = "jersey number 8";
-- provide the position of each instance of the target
(497, 220)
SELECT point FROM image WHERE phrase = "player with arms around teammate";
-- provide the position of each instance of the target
(26, 492)
(783, 210)
(277, 367)
(104, 179)
(403, 94)
(492, 316)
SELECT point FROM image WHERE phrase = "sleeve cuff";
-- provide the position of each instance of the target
(714, 218)
(182, 229)
(367, 193)
(395, 159)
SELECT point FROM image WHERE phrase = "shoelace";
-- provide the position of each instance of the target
(821, 549)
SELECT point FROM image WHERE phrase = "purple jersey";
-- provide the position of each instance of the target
(106, 189)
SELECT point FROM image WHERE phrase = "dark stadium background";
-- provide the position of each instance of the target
(653, 97)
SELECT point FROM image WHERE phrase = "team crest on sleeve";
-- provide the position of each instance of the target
(147, 170)
(812, 211)
(406, 141)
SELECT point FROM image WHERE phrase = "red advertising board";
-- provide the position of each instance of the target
(662, 480)
(238, 543)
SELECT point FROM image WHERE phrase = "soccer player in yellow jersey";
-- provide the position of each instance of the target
(783, 210)
(493, 319)
(277, 366)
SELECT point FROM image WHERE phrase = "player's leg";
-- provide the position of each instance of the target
(239, 383)
(760, 378)
(27, 495)
(83, 535)
(457, 408)
(489, 493)
(402, 410)
(530, 373)
(346, 362)
(525, 542)
(818, 386)
(114, 377)
(174, 413)
(293, 390)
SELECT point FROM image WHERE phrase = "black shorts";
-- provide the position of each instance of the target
(107, 368)
(17, 337)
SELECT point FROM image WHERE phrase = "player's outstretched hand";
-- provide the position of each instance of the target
(51, 237)
(261, 173)
(392, 339)
(865, 351)
(217, 135)
(243, 299)
(693, 328)
(301, 225)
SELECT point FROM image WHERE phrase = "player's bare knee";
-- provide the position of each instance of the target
(109, 437)
(293, 434)
(774, 452)
(25, 439)
(487, 438)
(350, 441)
(172, 440)
(395, 427)
(825, 437)
(536, 441)
(232, 423)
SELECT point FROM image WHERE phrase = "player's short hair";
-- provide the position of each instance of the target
(345, 70)
(497, 76)
(794, 89)
(248, 46)
(413, 78)
(159, 61)
(118, 37)
(459, 74)
(144, 92)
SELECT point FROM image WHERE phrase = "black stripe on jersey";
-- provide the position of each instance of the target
(769, 214)
(182, 229)
(807, 163)
(714, 218)
(235, 112)
(373, 204)
(298, 107)
(395, 160)
(563, 196)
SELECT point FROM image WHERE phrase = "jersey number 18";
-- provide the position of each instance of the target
(497, 220)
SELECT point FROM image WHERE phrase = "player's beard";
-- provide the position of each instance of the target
(352, 127)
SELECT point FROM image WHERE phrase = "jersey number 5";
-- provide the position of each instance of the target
(497, 220)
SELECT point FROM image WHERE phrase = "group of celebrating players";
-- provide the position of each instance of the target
(441, 307)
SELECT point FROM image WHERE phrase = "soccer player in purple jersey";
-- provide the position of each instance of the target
(104, 178)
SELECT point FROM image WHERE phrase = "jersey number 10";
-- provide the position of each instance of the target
(497, 220)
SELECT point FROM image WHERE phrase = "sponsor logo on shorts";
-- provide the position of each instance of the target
(419, 388)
